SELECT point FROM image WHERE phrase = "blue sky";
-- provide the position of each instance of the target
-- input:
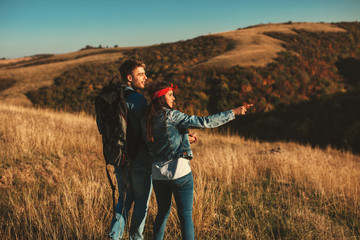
(29, 27)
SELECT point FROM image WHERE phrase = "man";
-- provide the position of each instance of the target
(134, 186)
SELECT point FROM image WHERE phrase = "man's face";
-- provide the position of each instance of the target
(138, 78)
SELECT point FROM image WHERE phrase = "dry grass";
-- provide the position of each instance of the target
(255, 190)
(53, 184)
(15, 60)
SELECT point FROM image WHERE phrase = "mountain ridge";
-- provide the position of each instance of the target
(260, 50)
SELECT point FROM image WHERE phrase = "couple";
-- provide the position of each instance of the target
(163, 156)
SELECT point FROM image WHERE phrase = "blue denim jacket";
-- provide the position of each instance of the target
(170, 132)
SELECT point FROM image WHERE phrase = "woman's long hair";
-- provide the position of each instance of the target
(154, 108)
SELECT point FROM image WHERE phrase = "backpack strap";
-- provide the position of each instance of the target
(113, 188)
(127, 93)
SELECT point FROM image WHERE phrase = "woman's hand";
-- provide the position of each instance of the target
(192, 138)
(242, 110)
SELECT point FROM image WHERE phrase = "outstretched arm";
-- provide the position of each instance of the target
(184, 121)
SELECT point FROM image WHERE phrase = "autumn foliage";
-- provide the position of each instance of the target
(315, 65)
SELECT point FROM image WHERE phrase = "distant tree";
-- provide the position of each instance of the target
(87, 47)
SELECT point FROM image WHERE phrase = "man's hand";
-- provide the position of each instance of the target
(192, 138)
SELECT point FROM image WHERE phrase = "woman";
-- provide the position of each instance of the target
(169, 148)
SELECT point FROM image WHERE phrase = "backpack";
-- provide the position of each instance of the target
(112, 122)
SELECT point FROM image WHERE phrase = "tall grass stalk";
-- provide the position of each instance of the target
(53, 184)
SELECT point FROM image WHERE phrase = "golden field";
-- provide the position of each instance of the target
(53, 184)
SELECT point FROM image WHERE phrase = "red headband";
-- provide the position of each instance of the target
(162, 92)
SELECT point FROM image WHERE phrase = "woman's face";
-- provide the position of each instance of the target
(169, 98)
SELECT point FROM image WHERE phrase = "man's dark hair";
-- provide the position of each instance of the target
(128, 67)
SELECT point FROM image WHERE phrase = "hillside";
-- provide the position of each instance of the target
(278, 67)
(251, 48)
(53, 184)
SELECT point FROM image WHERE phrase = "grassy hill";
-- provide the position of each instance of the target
(310, 67)
(53, 184)
(19, 76)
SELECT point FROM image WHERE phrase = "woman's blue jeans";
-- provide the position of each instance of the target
(182, 189)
